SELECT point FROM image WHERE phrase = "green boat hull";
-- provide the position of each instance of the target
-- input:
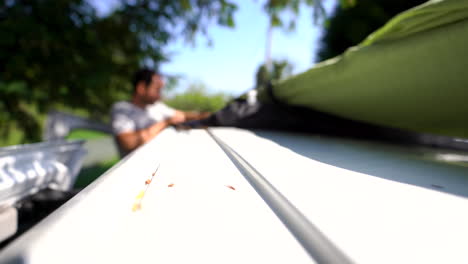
(411, 74)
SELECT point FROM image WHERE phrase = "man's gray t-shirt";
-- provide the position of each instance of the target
(127, 117)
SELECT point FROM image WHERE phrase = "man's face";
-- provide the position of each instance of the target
(153, 90)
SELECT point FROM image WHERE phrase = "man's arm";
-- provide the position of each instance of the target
(188, 116)
(131, 140)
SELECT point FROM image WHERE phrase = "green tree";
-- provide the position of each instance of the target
(60, 53)
(347, 27)
(283, 13)
(279, 69)
(197, 98)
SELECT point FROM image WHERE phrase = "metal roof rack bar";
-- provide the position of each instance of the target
(319, 247)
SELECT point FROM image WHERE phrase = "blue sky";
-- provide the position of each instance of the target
(229, 64)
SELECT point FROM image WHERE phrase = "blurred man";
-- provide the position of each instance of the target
(137, 121)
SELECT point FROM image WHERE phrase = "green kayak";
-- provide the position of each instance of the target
(411, 74)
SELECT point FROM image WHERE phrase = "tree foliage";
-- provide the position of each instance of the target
(61, 53)
(283, 13)
(197, 98)
(278, 70)
(347, 27)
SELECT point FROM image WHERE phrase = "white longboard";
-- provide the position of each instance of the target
(182, 199)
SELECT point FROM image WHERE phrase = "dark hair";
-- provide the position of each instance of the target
(143, 75)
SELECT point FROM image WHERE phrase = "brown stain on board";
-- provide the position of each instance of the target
(139, 198)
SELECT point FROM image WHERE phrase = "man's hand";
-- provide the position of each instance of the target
(196, 115)
(204, 115)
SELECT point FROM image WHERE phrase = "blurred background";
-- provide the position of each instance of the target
(78, 56)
